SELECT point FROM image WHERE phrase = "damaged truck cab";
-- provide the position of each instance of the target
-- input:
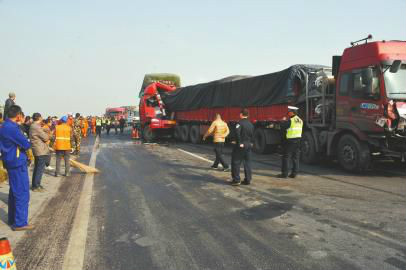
(155, 119)
(370, 113)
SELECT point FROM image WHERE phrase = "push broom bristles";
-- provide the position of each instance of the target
(83, 167)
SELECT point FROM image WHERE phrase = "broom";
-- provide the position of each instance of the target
(83, 167)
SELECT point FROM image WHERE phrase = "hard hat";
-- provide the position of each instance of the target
(70, 113)
(64, 118)
(293, 108)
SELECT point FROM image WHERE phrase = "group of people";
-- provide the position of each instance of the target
(107, 123)
(291, 130)
(25, 140)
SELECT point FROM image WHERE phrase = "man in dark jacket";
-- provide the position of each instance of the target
(14, 146)
(122, 124)
(242, 150)
(9, 102)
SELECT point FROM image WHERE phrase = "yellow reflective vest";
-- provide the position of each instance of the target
(295, 129)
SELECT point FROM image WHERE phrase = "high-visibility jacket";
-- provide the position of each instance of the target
(62, 137)
(98, 122)
(295, 129)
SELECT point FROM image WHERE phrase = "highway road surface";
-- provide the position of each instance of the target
(160, 206)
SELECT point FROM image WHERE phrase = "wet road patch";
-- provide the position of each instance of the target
(266, 211)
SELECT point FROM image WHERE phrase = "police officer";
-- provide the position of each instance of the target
(14, 146)
(242, 150)
(292, 131)
(98, 126)
(108, 126)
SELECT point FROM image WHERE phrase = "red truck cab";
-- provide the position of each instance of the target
(370, 103)
(155, 119)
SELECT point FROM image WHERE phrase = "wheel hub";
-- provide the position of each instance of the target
(348, 154)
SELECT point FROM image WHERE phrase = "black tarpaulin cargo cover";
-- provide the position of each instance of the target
(240, 91)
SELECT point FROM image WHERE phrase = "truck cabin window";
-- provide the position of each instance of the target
(395, 83)
(365, 87)
(344, 84)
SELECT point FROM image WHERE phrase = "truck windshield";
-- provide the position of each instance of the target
(395, 83)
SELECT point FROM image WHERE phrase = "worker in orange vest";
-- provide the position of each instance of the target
(70, 120)
(93, 124)
(85, 126)
(62, 145)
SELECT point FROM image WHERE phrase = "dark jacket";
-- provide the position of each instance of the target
(9, 103)
(13, 145)
(245, 132)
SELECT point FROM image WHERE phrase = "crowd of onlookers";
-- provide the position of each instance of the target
(27, 140)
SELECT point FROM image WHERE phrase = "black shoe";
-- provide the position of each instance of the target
(292, 175)
(226, 169)
(56, 174)
(235, 183)
(281, 176)
(245, 182)
(214, 167)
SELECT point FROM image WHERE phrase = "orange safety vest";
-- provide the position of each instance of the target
(62, 137)
(70, 121)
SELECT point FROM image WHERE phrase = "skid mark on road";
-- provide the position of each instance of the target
(75, 252)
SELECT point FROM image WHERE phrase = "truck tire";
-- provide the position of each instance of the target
(308, 148)
(195, 134)
(177, 133)
(184, 133)
(260, 144)
(148, 135)
(353, 155)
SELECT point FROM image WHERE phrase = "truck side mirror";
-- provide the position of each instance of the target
(367, 76)
(395, 66)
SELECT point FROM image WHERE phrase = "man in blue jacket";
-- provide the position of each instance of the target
(13, 152)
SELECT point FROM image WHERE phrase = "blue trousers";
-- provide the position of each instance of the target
(18, 196)
(39, 166)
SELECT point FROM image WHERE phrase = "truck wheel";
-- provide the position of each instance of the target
(308, 148)
(260, 145)
(195, 134)
(177, 133)
(353, 155)
(184, 133)
(148, 135)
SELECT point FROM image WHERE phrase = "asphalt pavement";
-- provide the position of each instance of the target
(160, 206)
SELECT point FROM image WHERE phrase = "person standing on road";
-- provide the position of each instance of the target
(62, 145)
(292, 130)
(242, 150)
(108, 126)
(40, 140)
(77, 133)
(98, 126)
(9, 102)
(122, 124)
(84, 126)
(220, 131)
(14, 145)
(116, 123)
(93, 125)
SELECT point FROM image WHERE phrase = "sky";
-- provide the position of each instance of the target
(85, 56)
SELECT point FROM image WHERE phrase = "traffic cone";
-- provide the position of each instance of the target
(7, 261)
